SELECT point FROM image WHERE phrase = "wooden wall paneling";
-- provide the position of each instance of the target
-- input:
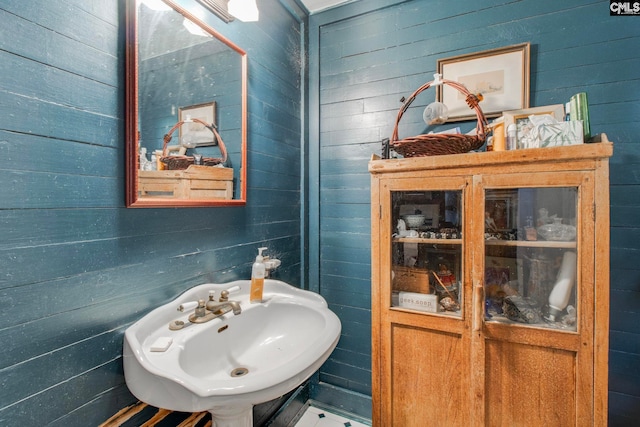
(361, 72)
(341, 397)
(350, 196)
(67, 396)
(273, 176)
(350, 252)
(55, 157)
(48, 370)
(53, 85)
(335, 229)
(362, 355)
(340, 161)
(623, 170)
(47, 335)
(43, 228)
(95, 255)
(31, 189)
(623, 409)
(56, 121)
(143, 283)
(99, 267)
(342, 268)
(336, 372)
(74, 35)
(337, 297)
(101, 407)
(358, 212)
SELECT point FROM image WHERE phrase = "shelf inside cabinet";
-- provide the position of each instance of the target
(427, 241)
(532, 243)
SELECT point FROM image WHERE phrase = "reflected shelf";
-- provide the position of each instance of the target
(532, 243)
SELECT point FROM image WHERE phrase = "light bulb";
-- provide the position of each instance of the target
(244, 10)
(158, 5)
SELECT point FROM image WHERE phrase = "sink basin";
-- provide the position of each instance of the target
(227, 365)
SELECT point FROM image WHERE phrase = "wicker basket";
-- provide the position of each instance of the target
(437, 144)
(183, 162)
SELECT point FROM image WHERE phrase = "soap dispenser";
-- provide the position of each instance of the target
(257, 278)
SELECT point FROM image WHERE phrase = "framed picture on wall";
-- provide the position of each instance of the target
(500, 75)
(194, 133)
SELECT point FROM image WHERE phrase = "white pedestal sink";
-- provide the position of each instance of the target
(229, 364)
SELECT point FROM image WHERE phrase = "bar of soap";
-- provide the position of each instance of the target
(161, 344)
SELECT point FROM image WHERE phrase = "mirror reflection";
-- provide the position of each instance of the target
(186, 119)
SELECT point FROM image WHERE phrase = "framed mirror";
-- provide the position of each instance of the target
(186, 110)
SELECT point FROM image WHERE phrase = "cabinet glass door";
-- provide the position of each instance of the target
(530, 257)
(426, 230)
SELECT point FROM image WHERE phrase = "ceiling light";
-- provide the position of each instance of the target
(156, 5)
(244, 10)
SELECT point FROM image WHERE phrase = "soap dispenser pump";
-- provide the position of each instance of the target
(258, 272)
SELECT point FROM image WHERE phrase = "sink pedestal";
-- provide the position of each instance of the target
(236, 416)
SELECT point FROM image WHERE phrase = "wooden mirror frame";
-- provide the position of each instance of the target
(131, 120)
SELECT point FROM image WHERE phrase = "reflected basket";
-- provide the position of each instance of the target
(434, 144)
(180, 162)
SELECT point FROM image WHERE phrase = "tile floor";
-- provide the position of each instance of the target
(315, 417)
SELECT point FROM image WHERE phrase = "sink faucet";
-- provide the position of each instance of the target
(213, 309)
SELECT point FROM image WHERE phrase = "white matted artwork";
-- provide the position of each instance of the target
(525, 132)
(500, 75)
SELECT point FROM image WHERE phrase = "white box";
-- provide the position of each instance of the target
(416, 301)
(563, 133)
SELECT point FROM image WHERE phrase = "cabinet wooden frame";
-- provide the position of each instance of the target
(464, 388)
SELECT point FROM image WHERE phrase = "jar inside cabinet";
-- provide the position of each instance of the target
(426, 230)
(530, 263)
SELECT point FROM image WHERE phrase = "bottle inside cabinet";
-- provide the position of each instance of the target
(530, 264)
(427, 251)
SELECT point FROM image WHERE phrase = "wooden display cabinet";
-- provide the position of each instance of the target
(495, 310)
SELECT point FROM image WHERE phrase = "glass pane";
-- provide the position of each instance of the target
(530, 257)
(427, 251)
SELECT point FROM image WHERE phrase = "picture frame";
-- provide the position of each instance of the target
(521, 119)
(501, 75)
(196, 132)
(500, 211)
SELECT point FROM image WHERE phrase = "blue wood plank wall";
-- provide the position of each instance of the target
(365, 56)
(76, 267)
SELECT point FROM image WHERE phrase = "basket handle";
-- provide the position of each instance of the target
(211, 127)
(471, 99)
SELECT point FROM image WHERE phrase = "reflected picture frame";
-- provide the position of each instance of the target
(501, 209)
(501, 76)
(205, 112)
